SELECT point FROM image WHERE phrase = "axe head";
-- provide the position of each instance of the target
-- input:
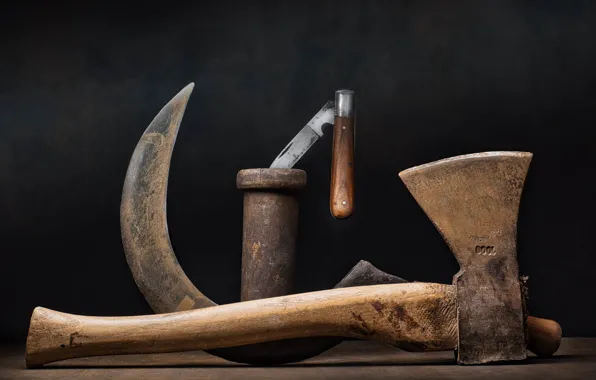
(473, 201)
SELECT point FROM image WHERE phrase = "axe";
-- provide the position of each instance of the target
(482, 315)
(268, 249)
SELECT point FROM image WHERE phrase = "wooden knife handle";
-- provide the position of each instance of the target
(341, 200)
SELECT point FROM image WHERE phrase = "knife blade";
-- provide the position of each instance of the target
(307, 136)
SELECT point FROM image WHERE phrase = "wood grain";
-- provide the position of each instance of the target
(413, 316)
(341, 200)
(544, 336)
(151, 257)
(269, 230)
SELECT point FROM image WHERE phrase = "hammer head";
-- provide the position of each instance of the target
(473, 201)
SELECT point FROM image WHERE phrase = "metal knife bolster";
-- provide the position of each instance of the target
(307, 136)
(344, 100)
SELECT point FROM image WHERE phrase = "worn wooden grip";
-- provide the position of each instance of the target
(414, 316)
(341, 201)
(419, 314)
(544, 336)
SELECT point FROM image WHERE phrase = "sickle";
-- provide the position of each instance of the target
(152, 260)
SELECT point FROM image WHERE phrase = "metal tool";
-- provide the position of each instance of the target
(342, 114)
(305, 139)
(268, 251)
(477, 216)
(473, 201)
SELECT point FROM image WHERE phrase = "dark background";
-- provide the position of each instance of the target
(434, 79)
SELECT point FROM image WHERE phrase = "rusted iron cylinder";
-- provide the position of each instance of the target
(270, 230)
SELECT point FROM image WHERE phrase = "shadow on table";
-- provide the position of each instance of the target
(340, 362)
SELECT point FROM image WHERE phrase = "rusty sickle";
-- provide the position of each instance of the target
(270, 220)
(474, 207)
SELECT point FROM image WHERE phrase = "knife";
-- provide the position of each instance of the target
(340, 113)
(306, 138)
(341, 201)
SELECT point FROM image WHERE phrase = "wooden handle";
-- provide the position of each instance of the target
(414, 316)
(418, 314)
(342, 168)
(544, 336)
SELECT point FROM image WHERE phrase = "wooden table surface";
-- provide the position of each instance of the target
(576, 359)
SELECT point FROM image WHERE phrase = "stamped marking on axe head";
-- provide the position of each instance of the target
(476, 213)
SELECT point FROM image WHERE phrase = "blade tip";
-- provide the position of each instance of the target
(189, 87)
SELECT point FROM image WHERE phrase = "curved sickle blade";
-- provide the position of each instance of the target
(143, 221)
(152, 260)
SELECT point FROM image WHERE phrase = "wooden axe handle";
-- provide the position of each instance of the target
(413, 313)
(544, 336)
(421, 315)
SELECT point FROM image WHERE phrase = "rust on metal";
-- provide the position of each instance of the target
(476, 213)
(153, 262)
(143, 221)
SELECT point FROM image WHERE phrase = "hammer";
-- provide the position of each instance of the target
(482, 315)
